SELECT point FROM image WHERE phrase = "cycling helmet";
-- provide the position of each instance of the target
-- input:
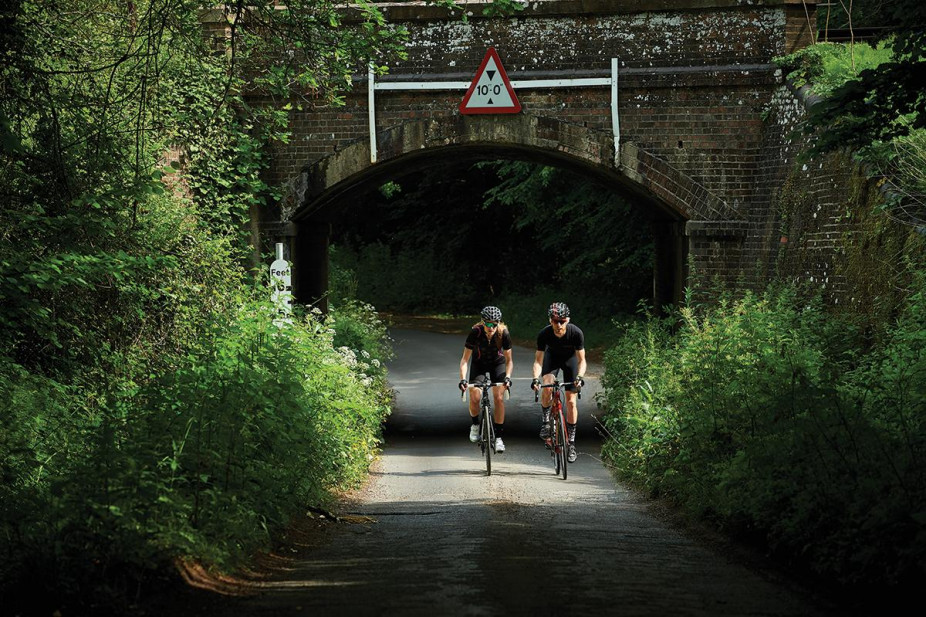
(492, 314)
(558, 310)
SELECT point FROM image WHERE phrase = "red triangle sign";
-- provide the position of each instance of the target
(490, 92)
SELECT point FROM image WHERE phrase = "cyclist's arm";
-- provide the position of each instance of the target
(538, 364)
(464, 362)
(509, 363)
(580, 354)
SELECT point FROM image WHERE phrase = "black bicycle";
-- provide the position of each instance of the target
(487, 419)
(558, 440)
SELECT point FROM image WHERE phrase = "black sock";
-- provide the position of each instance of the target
(499, 429)
(571, 431)
(475, 420)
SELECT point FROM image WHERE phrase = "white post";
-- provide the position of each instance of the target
(281, 287)
(371, 103)
(615, 118)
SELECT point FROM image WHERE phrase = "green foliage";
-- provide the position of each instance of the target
(208, 459)
(405, 279)
(358, 328)
(904, 162)
(881, 103)
(584, 232)
(827, 66)
(503, 8)
(153, 411)
(771, 418)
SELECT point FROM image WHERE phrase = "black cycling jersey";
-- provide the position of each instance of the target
(560, 352)
(487, 357)
(564, 346)
(484, 350)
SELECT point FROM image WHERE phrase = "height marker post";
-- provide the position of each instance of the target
(615, 117)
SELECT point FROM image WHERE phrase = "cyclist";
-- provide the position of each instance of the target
(560, 345)
(489, 344)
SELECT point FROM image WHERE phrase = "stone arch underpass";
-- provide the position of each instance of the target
(683, 88)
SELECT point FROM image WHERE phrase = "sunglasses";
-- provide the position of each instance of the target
(489, 324)
(558, 321)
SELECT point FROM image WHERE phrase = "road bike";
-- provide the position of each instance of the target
(558, 440)
(487, 419)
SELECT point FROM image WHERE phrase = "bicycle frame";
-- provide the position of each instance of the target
(558, 440)
(486, 419)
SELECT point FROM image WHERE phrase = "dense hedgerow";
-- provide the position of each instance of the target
(151, 409)
(763, 415)
(206, 460)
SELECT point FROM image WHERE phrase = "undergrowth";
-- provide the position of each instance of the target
(774, 420)
(207, 460)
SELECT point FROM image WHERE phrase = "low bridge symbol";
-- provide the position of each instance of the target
(489, 93)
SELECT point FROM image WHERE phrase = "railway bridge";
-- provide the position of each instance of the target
(668, 101)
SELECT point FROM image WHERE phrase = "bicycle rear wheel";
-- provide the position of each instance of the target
(562, 442)
(487, 439)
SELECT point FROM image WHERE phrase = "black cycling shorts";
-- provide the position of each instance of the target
(569, 364)
(478, 370)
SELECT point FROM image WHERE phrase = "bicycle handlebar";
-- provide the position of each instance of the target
(557, 384)
(485, 386)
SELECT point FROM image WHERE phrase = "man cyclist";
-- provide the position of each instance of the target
(560, 345)
(489, 344)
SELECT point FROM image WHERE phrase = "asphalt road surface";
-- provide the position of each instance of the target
(431, 534)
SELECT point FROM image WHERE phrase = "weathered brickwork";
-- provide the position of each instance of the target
(696, 84)
(834, 237)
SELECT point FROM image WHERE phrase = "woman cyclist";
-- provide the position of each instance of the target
(489, 345)
(560, 345)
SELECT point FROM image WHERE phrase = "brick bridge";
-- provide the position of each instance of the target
(665, 100)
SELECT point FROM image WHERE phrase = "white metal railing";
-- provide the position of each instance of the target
(516, 84)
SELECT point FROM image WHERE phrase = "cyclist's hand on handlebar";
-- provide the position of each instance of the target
(463, 385)
(535, 384)
(580, 382)
(507, 382)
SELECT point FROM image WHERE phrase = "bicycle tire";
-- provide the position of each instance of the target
(563, 445)
(558, 460)
(487, 439)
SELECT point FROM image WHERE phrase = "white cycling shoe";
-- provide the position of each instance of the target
(499, 445)
(474, 433)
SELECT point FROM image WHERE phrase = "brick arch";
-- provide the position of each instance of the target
(678, 202)
(542, 139)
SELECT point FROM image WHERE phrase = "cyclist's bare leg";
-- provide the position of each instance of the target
(546, 394)
(498, 394)
(572, 407)
(475, 395)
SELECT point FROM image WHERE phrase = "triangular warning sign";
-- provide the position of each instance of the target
(490, 92)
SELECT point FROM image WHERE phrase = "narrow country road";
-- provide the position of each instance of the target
(432, 535)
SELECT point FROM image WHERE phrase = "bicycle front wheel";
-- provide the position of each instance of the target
(555, 450)
(487, 439)
(562, 441)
